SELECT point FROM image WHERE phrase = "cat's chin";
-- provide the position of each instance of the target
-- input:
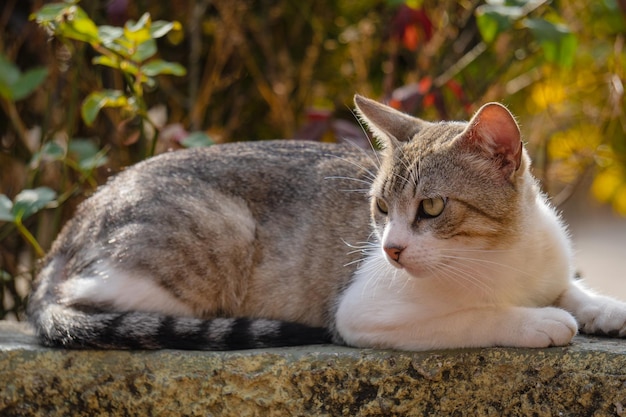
(419, 273)
(414, 271)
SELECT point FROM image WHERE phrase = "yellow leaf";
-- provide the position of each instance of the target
(606, 183)
(547, 94)
(175, 37)
(619, 201)
(138, 32)
(414, 4)
(580, 141)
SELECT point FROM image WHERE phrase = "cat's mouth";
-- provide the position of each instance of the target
(394, 263)
(412, 268)
(400, 263)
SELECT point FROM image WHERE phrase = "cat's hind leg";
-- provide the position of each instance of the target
(595, 314)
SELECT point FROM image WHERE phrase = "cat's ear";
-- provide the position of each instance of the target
(494, 131)
(388, 124)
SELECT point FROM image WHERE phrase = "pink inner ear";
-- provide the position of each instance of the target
(495, 131)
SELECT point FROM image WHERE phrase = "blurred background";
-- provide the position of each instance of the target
(87, 88)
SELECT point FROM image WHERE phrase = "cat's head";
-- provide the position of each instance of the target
(446, 190)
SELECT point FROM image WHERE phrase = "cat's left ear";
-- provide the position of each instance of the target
(494, 131)
(388, 124)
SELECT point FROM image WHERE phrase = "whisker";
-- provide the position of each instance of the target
(369, 174)
(407, 279)
(368, 155)
(464, 276)
(487, 262)
(477, 250)
(361, 245)
(349, 179)
(355, 190)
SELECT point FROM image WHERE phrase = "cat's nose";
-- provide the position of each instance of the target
(393, 252)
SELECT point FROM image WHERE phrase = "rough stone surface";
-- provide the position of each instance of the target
(587, 378)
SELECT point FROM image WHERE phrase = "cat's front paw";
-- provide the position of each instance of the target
(603, 316)
(547, 326)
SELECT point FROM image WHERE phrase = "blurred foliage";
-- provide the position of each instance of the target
(89, 88)
(129, 50)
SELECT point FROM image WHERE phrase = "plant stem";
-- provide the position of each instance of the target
(22, 132)
(155, 135)
(29, 237)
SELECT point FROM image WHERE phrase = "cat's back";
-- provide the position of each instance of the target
(271, 177)
(247, 215)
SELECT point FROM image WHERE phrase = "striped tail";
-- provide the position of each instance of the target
(60, 326)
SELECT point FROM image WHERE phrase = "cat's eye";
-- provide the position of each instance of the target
(382, 206)
(431, 207)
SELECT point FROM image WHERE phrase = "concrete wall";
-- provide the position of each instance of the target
(587, 378)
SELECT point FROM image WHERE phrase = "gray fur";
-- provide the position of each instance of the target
(172, 218)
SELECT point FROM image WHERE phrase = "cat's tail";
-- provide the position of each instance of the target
(58, 325)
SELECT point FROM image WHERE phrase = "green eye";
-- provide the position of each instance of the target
(431, 207)
(382, 206)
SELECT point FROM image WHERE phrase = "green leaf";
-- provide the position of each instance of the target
(139, 31)
(5, 276)
(197, 140)
(158, 67)
(99, 100)
(87, 154)
(88, 164)
(493, 19)
(9, 75)
(83, 28)
(144, 51)
(6, 214)
(9, 72)
(28, 82)
(50, 151)
(129, 68)
(29, 202)
(106, 61)
(161, 28)
(108, 34)
(15, 85)
(48, 13)
(149, 81)
(557, 41)
(82, 148)
(68, 20)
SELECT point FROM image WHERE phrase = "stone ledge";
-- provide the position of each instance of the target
(587, 378)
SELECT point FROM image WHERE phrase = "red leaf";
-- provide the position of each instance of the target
(410, 38)
(408, 97)
(425, 23)
(429, 100)
(456, 89)
(395, 103)
(425, 84)
(410, 26)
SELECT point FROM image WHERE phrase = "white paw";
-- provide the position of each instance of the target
(549, 326)
(603, 316)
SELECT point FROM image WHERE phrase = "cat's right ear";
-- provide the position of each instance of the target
(386, 123)
(494, 131)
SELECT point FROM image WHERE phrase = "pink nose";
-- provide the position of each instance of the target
(393, 252)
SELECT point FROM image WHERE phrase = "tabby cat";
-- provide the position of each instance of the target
(441, 240)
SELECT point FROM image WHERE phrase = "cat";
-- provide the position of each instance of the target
(440, 240)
